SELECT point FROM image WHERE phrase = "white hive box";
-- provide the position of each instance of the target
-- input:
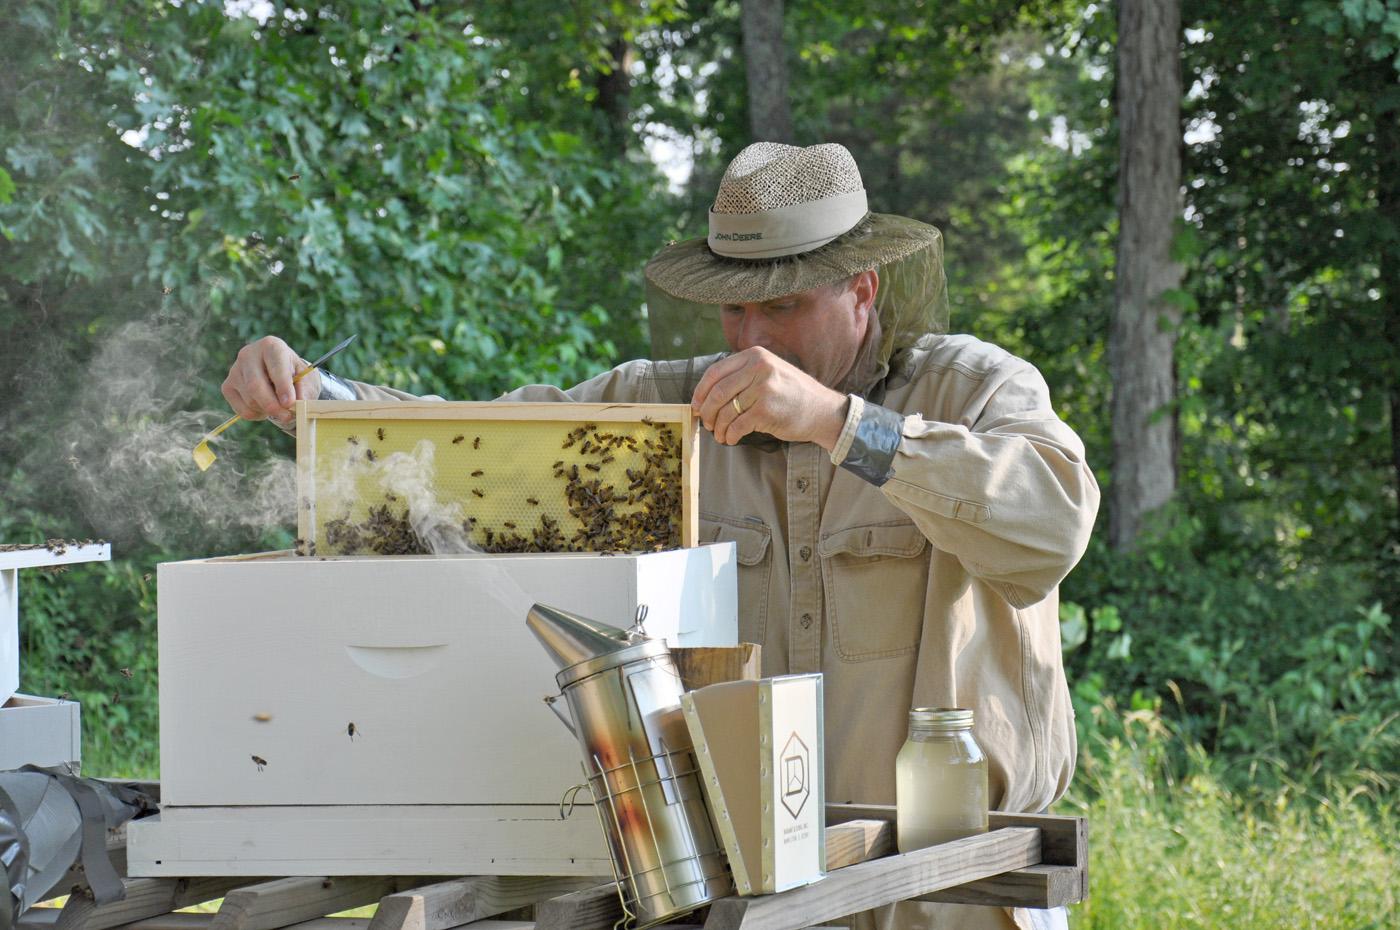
(454, 764)
(39, 731)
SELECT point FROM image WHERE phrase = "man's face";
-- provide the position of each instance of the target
(819, 331)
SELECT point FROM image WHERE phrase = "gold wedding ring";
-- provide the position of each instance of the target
(737, 408)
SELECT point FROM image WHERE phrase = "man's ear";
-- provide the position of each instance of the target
(867, 285)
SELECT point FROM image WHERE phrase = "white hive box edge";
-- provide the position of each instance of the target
(40, 731)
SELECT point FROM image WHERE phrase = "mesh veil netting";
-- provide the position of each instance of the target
(686, 334)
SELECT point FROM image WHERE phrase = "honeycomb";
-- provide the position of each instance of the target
(386, 485)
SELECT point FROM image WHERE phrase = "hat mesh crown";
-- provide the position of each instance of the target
(769, 176)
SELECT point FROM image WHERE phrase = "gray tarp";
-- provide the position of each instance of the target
(48, 819)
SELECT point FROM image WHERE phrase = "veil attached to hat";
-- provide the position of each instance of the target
(687, 284)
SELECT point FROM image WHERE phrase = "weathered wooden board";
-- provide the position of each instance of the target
(1062, 877)
(286, 901)
(881, 881)
(503, 477)
(1039, 886)
(857, 841)
(145, 897)
(44, 918)
(596, 908)
(442, 905)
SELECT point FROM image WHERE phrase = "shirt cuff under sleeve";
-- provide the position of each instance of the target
(868, 441)
(334, 387)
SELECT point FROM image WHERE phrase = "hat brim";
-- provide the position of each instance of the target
(691, 271)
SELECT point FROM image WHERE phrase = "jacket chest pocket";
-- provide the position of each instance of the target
(752, 541)
(875, 578)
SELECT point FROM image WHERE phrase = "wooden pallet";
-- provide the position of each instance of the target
(1026, 860)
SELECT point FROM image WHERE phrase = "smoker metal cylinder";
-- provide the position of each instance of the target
(645, 781)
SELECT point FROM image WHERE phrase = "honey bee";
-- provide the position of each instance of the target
(532, 501)
(126, 673)
(380, 433)
(456, 440)
(478, 473)
(592, 467)
(293, 177)
(476, 443)
(353, 440)
(509, 525)
(351, 731)
(259, 761)
(369, 454)
(477, 492)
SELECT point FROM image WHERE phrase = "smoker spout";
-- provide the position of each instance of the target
(570, 639)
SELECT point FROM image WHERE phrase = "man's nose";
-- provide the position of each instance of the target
(754, 329)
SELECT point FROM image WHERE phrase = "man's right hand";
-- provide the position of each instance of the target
(259, 383)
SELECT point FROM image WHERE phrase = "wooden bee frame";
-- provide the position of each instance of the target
(503, 477)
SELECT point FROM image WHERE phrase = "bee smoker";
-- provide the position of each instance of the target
(623, 693)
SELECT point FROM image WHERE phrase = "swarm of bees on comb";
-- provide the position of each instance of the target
(637, 512)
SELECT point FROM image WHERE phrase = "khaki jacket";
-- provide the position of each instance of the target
(937, 589)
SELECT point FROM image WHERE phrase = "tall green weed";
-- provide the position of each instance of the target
(1172, 845)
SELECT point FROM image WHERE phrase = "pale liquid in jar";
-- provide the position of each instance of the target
(941, 790)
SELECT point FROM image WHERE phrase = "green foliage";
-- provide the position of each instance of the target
(88, 634)
(1174, 846)
(1279, 670)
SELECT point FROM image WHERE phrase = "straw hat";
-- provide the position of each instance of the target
(786, 219)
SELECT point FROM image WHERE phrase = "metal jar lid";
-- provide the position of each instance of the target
(941, 718)
(647, 649)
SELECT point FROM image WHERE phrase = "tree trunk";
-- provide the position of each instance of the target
(1388, 203)
(1143, 333)
(615, 96)
(765, 63)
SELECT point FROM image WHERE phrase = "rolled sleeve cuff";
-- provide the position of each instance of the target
(868, 441)
(334, 387)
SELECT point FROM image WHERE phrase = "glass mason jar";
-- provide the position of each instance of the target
(940, 779)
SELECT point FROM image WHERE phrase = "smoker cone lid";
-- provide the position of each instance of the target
(581, 647)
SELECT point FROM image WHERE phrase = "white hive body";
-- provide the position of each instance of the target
(384, 715)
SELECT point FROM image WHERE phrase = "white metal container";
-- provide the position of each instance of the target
(761, 746)
(373, 684)
(39, 731)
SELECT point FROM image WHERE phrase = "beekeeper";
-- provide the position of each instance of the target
(904, 502)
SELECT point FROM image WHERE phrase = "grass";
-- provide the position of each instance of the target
(1171, 846)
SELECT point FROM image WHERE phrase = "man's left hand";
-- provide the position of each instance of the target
(773, 396)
